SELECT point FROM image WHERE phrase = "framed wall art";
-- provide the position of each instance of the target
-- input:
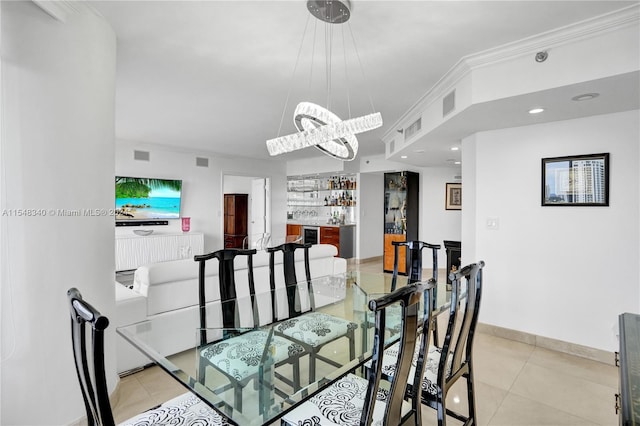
(453, 198)
(577, 180)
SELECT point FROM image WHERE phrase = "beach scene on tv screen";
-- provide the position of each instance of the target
(143, 198)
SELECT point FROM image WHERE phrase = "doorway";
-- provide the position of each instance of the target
(258, 189)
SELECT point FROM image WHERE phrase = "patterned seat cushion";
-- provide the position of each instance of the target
(186, 410)
(339, 404)
(240, 356)
(430, 379)
(315, 328)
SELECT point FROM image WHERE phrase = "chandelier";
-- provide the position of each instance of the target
(318, 126)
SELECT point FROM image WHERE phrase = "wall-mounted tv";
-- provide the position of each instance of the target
(147, 198)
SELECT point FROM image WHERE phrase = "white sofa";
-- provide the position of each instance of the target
(167, 293)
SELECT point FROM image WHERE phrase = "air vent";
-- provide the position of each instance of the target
(202, 162)
(448, 103)
(413, 128)
(141, 155)
(457, 177)
(392, 146)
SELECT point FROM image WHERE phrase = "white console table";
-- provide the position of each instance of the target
(133, 250)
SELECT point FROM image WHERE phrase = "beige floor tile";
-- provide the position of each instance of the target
(498, 361)
(488, 400)
(583, 398)
(586, 369)
(519, 411)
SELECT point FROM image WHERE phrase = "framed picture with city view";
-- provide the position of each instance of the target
(577, 180)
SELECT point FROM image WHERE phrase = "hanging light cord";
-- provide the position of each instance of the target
(313, 53)
(361, 68)
(286, 103)
(346, 72)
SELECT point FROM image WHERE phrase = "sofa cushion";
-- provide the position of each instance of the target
(174, 284)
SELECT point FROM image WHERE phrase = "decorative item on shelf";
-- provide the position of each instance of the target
(318, 126)
(186, 224)
(143, 232)
(403, 183)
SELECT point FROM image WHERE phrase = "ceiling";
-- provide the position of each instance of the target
(215, 75)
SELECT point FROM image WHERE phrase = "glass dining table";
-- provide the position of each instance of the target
(275, 388)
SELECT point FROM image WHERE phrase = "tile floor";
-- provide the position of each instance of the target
(517, 385)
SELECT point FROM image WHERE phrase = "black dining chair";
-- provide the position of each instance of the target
(414, 269)
(237, 355)
(186, 409)
(312, 330)
(455, 360)
(446, 365)
(353, 400)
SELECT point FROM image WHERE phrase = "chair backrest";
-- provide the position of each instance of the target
(257, 241)
(90, 362)
(409, 299)
(290, 279)
(226, 277)
(463, 319)
(414, 260)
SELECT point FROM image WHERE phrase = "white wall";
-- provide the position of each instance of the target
(58, 91)
(436, 223)
(369, 236)
(559, 272)
(202, 196)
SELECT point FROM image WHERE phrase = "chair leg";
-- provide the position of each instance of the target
(237, 396)
(312, 366)
(435, 332)
(471, 396)
(352, 345)
(442, 409)
(202, 366)
(295, 365)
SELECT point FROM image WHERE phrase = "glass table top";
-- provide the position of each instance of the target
(250, 374)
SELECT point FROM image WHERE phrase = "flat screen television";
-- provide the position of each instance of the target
(147, 198)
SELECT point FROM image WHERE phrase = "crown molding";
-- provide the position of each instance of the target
(544, 41)
(563, 35)
(61, 9)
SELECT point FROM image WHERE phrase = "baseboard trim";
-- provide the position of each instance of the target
(574, 349)
(355, 261)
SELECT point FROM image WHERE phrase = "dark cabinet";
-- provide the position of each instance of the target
(401, 215)
(454, 255)
(235, 219)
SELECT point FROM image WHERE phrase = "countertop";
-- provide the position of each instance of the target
(317, 223)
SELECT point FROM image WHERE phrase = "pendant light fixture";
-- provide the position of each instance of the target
(317, 126)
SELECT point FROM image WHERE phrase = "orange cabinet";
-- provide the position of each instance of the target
(293, 230)
(330, 235)
(389, 253)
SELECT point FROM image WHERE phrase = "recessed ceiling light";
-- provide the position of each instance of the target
(403, 156)
(457, 162)
(454, 148)
(536, 110)
(585, 97)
